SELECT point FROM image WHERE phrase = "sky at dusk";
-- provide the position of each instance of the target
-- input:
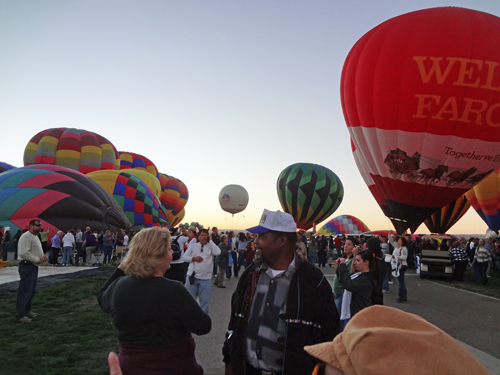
(213, 92)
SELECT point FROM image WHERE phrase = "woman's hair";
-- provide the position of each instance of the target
(372, 261)
(242, 237)
(146, 252)
(223, 238)
(403, 240)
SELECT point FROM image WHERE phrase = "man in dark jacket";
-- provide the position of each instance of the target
(279, 306)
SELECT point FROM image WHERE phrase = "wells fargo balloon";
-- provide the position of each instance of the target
(61, 198)
(343, 224)
(130, 160)
(140, 204)
(76, 149)
(421, 99)
(485, 198)
(170, 191)
(309, 192)
(233, 198)
(446, 217)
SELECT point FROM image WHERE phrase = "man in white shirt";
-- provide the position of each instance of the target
(30, 256)
(201, 264)
(177, 270)
(68, 242)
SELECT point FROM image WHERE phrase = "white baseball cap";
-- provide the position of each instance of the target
(274, 220)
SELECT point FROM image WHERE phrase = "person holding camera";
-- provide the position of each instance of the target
(199, 255)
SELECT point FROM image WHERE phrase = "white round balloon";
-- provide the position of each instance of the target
(233, 198)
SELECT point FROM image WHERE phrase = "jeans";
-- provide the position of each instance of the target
(201, 289)
(236, 266)
(27, 288)
(66, 254)
(108, 251)
(482, 267)
(5, 248)
(402, 285)
(338, 303)
(313, 258)
(385, 282)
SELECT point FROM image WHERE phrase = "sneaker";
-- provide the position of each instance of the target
(220, 286)
(24, 319)
(385, 291)
(31, 315)
(391, 282)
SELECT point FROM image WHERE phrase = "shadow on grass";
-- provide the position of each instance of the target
(71, 335)
(492, 288)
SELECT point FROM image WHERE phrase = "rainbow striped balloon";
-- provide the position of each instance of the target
(129, 160)
(75, 149)
(170, 191)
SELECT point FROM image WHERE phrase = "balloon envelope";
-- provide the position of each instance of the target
(130, 160)
(485, 198)
(446, 217)
(233, 198)
(170, 191)
(343, 224)
(174, 220)
(309, 192)
(140, 204)
(421, 99)
(76, 149)
(61, 198)
(5, 166)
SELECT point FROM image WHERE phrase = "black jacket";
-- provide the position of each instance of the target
(311, 318)
(361, 288)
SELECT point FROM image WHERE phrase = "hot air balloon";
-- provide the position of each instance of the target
(174, 220)
(485, 198)
(5, 166)
(421, 99)
(170, 191)
(447, 216)
(233, 198)
(150, 180)
(343, 224)
(183, 198)
(76, 149)
(309, 192)
(130, 160)
(61, 198)
(140, 204)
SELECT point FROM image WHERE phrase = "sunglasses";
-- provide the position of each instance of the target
(201, 248)
(37, 225)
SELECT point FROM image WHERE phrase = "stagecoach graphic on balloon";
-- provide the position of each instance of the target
(401, 165)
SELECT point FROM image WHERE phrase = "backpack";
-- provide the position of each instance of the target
(176, 249)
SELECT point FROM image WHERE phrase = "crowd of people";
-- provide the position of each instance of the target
(281, 304)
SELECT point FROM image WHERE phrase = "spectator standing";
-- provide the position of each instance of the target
(200, 258)
(68, 243)
(480, 263)
(278, 305)
(90, 245)
(56, 247)
(16, 242)
(460, 259)
(30, 255)
(177, 270)
(107, 244)
(313, 251)
(222, 261)
(5, 243)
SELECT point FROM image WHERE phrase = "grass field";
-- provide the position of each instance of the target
(70, 336)
(492, 288)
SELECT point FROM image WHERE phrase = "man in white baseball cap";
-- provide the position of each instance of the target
(279, 304)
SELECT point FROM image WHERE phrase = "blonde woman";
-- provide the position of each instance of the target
(154, 316)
